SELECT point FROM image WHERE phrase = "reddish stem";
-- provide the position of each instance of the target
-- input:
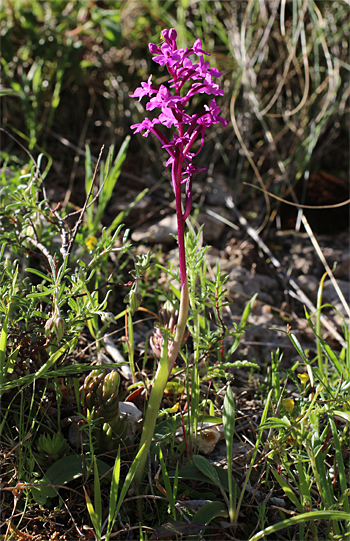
(177, 176)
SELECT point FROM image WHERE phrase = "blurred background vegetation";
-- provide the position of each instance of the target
(67, 69)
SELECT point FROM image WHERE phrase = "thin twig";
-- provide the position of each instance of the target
(82, 211)
(294, 290)
(325, 264)
(98, 191)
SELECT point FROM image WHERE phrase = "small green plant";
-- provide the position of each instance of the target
(101, 398)
(50, 448)
(115, 502)
(308, 436)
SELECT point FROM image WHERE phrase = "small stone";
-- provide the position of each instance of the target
(213, 227)
(133, 414)
(159, 232)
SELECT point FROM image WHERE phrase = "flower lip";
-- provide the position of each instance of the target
(146, 124)
(198, 48)
(146, 89)
(164, 98)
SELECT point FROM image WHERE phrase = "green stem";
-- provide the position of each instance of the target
(160, 380)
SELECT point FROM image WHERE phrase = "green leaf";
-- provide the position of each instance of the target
(42, 492)
(275, 422)
(298, 347)
(228, 414)
(166, 480)
(40, 274)
(3, 342)
(114, 488)
(93, 516)
(10, 92)
(190, 471)
(206, 468)
(228, 419)
(207, 419)
(340, 463)
(176, 291)
(209, 511)
(111, 181)
(97, 500)
(343, 414)
(128, 480)
(304, 487)
(287, 490)
(112, 31)
(64, 471)
(42, 294)
(244, 319)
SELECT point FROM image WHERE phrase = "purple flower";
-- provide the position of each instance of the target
(197, 48)
(170, 36)
(212, 115)
(146, 89)
(172, 99)
(178, 142)
(164, 98)
(146, 124)
(168, 56)
(203, 68)
(173, 117)
(207, 87)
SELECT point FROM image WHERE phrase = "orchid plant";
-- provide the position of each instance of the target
(187, 79)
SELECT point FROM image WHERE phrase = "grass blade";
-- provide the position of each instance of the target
(114, 490)
(228, 420)
(260, 433)
(305, 517)
(167, 484)
(3, 342)
(287, 490)
(97, 499)
(340, 464)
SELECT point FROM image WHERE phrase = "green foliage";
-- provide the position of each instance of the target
(51, 448)
(54, 50)
(228, 420)
(101, 399)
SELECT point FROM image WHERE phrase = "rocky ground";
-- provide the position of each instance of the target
(281, 266)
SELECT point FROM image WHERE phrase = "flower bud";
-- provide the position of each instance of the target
(59, 328)
(91, 385)
(153, 49)
(172, 34)
(107, 318)
(134, 299)
(110, 385)
(49, 326)
(55, 324)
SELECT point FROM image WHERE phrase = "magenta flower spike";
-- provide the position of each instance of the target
(171, 101)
